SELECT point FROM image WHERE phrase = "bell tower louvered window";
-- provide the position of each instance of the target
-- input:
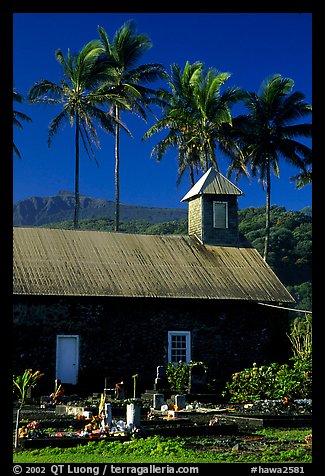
(220, 214)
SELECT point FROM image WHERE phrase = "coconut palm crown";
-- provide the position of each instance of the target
(195, 117)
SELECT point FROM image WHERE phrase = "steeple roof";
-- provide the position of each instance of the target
(212, 182)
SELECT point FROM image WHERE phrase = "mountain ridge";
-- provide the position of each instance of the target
(38, 211)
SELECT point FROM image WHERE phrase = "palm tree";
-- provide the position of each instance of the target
(18, 115)
(79, 93)
(195, 116)
(178, 118)
(214, 119)
(305, 176)
(128, 81)
(269, 132)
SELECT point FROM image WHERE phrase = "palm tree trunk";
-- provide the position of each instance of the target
(77, 196)
(117, 172)
(268, 211)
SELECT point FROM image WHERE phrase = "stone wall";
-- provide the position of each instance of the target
(122, 337)
(195, 217)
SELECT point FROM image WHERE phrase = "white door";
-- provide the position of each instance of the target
(67, 358)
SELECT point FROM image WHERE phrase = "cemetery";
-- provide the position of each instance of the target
(68, 420)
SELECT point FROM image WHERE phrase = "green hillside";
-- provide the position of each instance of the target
(290, 253)
(175, 227)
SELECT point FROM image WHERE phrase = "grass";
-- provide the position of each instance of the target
(263, 446)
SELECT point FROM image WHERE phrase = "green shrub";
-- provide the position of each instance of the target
(274, 381)
(294, 381)
(178, 375)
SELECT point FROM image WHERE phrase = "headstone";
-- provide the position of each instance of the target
(197, 379)
(180, 401)
(161, 379)
(161, 371)
(108, 413)
(133, 416)
(158, 400)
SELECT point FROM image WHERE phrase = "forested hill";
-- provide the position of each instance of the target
(290, 253)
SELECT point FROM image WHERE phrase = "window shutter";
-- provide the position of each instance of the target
(220, 214)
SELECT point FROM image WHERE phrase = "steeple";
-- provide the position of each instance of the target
(213, 209)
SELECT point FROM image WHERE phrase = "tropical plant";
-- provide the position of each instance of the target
(127, 80)
(195, 115)
(300, 337)
(178, 375)
(17, 117)
(79, 93)
(269, 131)
(21, 384)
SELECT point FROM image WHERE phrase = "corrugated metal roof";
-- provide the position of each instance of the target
(212, 182)
(94, 263)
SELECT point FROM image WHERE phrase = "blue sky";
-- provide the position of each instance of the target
(250, 46)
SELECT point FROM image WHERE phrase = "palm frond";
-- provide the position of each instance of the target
(66, 63)
(39, 91)
(56, 124)
(104, 39)
(297, 130)
(17, 96)
(86, 140)
(128, 46)
(21, 116)
(145, 73)
(302, 179)
(16, 151)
